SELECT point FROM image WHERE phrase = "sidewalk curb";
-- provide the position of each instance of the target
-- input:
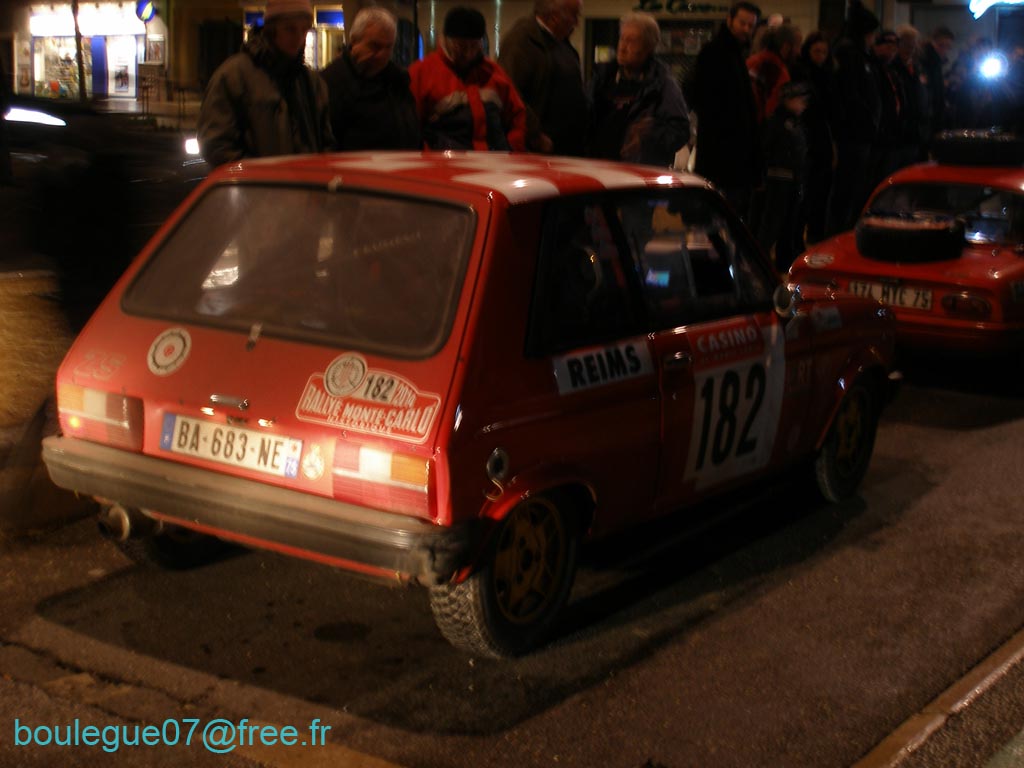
(917, 729)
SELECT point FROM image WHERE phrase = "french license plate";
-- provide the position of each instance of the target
(260, 452)
(906, 296)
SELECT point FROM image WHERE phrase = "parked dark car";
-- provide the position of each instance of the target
(91, 187)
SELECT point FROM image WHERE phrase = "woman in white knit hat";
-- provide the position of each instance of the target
(265, 100)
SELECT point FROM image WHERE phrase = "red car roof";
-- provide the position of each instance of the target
(517, 177)
(990, 176)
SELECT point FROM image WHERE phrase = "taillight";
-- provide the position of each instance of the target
(966, 305)
(102, 417)
(396, 482)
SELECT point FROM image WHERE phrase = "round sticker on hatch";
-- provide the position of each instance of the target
(344, 375)
(169, 351)
(818, 260)
(313, 463)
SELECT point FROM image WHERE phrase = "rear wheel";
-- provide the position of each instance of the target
(511, 604)
(843, 460)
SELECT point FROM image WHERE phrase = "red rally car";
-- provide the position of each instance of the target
(942, 244)
(450, 369)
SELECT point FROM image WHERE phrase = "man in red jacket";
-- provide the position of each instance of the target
(464, 100)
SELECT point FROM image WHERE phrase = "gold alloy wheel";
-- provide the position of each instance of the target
(530, 561)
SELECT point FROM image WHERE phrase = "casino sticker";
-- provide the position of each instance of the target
(169, 351)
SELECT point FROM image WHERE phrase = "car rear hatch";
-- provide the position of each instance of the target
(294, 335)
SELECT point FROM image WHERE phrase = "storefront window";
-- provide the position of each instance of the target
(56, 68)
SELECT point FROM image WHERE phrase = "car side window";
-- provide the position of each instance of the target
(582, 295)
(694, 261)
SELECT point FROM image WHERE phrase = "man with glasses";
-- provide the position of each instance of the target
(545, 68)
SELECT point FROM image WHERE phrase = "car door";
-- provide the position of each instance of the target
(587, 330)
(717, 344)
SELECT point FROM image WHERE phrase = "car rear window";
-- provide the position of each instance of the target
(990, 215)
(350, 268)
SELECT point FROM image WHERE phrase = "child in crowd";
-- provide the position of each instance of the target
(785, 150)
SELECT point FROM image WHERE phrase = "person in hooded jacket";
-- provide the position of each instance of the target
(264, 100)
(856, 117)
(785, 151)
(814, 68)
(465, 100)
(639, 114)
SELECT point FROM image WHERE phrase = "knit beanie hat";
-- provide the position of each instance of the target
(277, 8)
(859, 19)
(465, 23)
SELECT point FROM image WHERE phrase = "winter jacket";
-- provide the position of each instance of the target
(376, 112)
(935, 84)
(768, 73)
(914, 111)
(547, 74)
(817, 125)
(480, 110)
(857, 101)
(785, 146)
(642, 122)
(258, 103)
(728, 139)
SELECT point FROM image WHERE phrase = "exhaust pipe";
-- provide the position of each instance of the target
(120, 523)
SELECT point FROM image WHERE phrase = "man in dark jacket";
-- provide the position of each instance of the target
(639, 114)
(728, 141)
(856, 117)
(934, 55)
(545, 68)
(264, 100)
(914, 113)
(890, 93)
(371, 104)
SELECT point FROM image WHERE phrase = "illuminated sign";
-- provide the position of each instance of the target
(978, 7)
(145, 10)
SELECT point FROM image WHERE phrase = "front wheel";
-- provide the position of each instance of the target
(843, 460)
(510, 605)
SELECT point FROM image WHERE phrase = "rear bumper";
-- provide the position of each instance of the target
(309, 526)
(964, 338)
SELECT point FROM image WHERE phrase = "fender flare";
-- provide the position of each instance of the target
(868, 360)
(533, 481)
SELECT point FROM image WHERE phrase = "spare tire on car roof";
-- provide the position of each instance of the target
(978, 147)
(909, 239)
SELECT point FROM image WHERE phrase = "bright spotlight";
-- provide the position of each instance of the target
(993, 66)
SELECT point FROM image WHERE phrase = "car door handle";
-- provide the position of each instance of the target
(677, 361)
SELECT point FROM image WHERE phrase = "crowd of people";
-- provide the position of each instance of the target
(266, 101)
(795, 132)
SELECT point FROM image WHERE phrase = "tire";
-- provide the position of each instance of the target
(910, 240)
(843, 460)
(511, 604)
(176, 549)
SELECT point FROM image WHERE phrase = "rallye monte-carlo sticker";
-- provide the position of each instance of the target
(349, 395)
(739, 373)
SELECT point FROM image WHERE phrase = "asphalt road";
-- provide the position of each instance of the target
(790, 633)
